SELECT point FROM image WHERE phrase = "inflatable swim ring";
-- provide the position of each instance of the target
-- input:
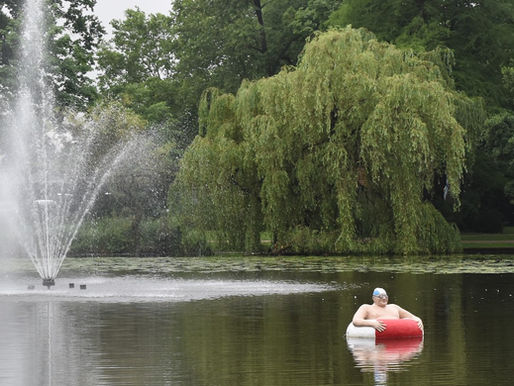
(395, 329)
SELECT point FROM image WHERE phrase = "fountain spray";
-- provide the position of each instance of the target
(52, 163)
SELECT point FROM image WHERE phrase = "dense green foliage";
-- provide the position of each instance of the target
(339, 150)
(159, 65)
(142, 50)
(114, 236)
(347, 149)
(223, 42)
(136, 192)
(481, 34)
(74, 35)
(488, 195)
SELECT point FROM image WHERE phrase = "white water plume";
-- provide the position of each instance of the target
(51, 169)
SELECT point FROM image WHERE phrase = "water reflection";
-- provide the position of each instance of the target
(384, 356)
(41, 346)
(205, 330)
(134, 330)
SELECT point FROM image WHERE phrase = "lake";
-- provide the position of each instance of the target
(254, 321)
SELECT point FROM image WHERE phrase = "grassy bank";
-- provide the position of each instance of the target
(489, 241)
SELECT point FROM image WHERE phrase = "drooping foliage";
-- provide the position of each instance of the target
(336, 155)
(480, 34)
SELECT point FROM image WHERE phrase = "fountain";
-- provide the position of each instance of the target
(52, 166)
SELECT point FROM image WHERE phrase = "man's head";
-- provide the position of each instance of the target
(380, 296)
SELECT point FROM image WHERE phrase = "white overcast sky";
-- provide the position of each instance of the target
(107, 10)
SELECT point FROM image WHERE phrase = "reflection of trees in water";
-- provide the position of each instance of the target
(265, 341)
(384, 356)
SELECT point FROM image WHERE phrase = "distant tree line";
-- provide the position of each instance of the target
(373, 138)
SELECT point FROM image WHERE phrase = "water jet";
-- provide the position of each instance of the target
(53, 162)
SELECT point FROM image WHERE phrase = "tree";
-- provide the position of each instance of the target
(479, 32)
(221, 43)
(488, 195)
(134, 191)
(480, 35)
(159, 65)
(333, 156)
(141, 49)
(73, 35)
(138, 65)
(138, 68)
(508, 81)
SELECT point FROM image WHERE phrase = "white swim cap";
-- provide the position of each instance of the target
(379, 291)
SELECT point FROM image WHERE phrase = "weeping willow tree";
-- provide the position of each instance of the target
(336, 155)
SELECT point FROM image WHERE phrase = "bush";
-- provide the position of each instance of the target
(114, 236)
(195, 244)
(158, 238)
(105, 236)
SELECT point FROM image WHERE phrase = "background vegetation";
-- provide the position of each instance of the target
(386, 137)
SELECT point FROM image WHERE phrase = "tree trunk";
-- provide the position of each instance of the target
(258, 12)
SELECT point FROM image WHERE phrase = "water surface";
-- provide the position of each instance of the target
(260, 321)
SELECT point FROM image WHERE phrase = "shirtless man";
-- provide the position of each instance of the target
(367, 314)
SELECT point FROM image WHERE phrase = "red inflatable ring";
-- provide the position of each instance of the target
(395, 329)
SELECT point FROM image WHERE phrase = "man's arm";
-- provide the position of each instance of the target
(404, 314)
(360, 319)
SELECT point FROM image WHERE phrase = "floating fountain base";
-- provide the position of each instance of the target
(48, 283)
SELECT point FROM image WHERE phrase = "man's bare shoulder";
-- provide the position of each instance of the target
(362, 312)
(365, 309)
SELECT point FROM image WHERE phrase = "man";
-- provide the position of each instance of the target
(368, 314)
